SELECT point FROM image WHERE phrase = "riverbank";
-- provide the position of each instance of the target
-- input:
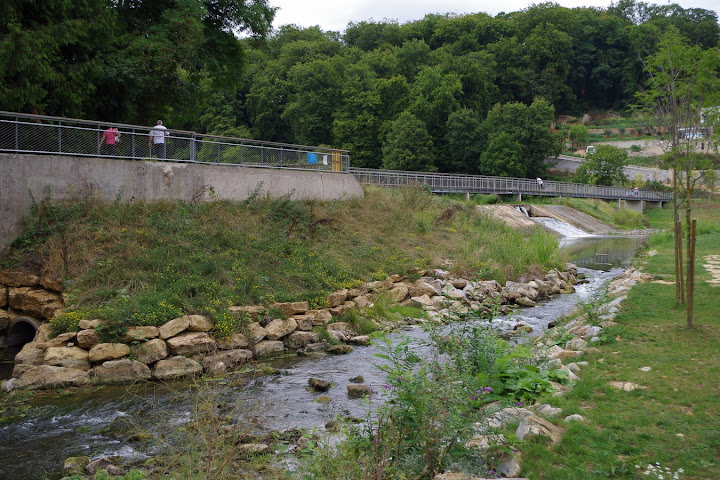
(672, 422)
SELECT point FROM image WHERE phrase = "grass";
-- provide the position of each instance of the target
(145, 263)
(675, 421)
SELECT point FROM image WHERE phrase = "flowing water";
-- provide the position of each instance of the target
(94, 421)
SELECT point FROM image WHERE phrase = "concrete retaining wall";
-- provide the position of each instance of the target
(24, 178)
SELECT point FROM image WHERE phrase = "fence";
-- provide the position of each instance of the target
(40, 134)
(449, 183)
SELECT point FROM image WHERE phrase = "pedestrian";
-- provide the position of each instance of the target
(540, 183)
(156, 140)
(110, 137)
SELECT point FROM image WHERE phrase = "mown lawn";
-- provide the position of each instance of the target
(675, 420)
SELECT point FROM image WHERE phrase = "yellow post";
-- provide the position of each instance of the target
(336, 161)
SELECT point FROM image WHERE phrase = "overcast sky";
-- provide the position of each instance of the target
(336, 14)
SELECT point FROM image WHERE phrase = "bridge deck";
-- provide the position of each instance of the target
(479, 184)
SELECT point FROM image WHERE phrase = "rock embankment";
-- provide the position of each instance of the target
(541, 419)
(27, 294)
(185, 346)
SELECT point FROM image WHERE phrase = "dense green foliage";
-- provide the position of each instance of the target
(604, 167)
(136, 61)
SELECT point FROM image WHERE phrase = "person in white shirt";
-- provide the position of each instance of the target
(156, 139)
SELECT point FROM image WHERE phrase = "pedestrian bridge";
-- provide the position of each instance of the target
(509, 187)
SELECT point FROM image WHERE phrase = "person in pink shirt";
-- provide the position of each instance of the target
(110, 137)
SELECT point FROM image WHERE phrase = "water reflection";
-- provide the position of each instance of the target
(602, 253)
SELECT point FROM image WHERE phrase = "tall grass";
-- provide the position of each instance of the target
(147, 262)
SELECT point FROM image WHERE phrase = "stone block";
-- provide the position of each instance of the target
(174, 327)
(108, 351)
(150, 351)
(121, 371)
(176, 367)
(190, 343)
(70, 357)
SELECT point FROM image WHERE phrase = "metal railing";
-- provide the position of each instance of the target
(44, 135)
(478, 184)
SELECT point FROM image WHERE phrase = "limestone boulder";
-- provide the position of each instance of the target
(280, 327)
(174, 327)
(190, 343)
(361, 301)
(3, 296)
(200, 323)
(52, 281)
(320, 317)
(121, 371)
(319, 384)
(234, 341)
(534, 425)
(17, 278)
(268, 348)
(341, 310)
(256, 333)
(75, 465)
(337, 298)
(51, 377)
(399, 292)
(30, 354)
(359, 390)
(291, 308)
(300, 339)
(524, 301)
(140, 334)
(341, 331)
(339, 349)
(576, 344)
(60, 341)
(150, 351)
(176, 367)
(422, 301)
(304, 322)
(225, 359)
(246, 450)
(508, 465)
(70, 357)
(254, 312)
(87, 338)
(108, 351)
(36, 302)
(362, 340)
(4, 319)
(424, 288)
(88, 324)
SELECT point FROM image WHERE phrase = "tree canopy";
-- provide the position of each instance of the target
(479, 86)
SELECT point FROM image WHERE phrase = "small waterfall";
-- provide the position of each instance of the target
(522, 210)
(563, 228)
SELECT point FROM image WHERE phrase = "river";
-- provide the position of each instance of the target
(94, 421)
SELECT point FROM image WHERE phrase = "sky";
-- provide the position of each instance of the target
(336, 14)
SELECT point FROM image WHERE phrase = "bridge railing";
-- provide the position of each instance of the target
(452, 183)
(44, 135)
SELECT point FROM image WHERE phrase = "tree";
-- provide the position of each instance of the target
(408, 145)
(466, 141)
(530, 127)
(53, 56)
(682, 81)
(503, 157)
(578, 135)
(604, 167)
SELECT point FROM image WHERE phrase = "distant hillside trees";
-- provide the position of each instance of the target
(482, 88)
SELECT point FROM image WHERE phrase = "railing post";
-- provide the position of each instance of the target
(59, 137)
(17, 133)
(193, 153)
(132, 145)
